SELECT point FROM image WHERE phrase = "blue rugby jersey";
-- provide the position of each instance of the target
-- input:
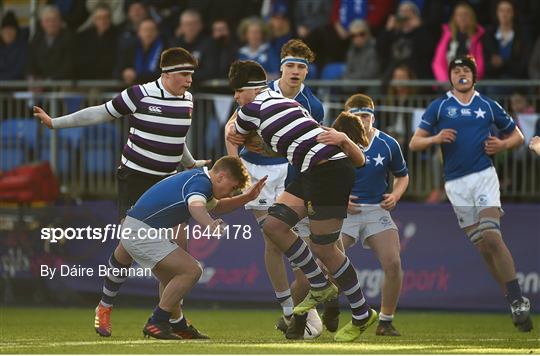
(165, 204)
(472, 121)
(383, 156)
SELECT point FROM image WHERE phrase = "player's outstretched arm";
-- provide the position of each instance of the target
(422, 139)
(333, 137)
(534, 144)
(85, 117)
(229, 204)
(494, 145)
(189, 162)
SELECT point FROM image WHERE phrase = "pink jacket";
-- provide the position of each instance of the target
(439, 63)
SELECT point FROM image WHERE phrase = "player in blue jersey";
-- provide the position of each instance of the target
(167, 204)
(460, 122)
(368, 218)
(295, 58)
(322, 157)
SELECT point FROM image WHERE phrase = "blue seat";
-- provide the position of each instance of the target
(19, 129)
(313, 71)
(18, 138)
(102, 146)
(333, 71)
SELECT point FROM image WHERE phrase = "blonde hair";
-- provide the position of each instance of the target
(242, 28)
(453, 25)
(235, 167)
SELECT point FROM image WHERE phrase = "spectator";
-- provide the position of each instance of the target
(373, 11)
(136, 13)
(97, 46)
(223, 50)
(13, 49)
(461, 36)
(72, 12)
(253, 32)
(280, 27)
(406, 40)
(362, 61)
(534, 63)
(116, 7)
(505, 47)
(189, 35)
(310, 15)
(141, 64)
(402, 96)
(51, 48)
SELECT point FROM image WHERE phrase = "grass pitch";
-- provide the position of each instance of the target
(61, 331)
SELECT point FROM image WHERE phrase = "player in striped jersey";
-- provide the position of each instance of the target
(159, 114)
(320, 191)
(295, 57)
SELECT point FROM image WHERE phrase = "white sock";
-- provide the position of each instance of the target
(384, 317)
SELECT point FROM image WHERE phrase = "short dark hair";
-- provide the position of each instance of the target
(176, 55)
(242, 72)
(463, 61)
(235, 167)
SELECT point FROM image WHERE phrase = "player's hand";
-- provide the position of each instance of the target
(253, 192)
(534, 144)
(445, 136)
(200, 163)
(42, 116)
(353, 208)
(217, 228)
(233, 136)
(389, 201)
(331, 137)
(494, 145)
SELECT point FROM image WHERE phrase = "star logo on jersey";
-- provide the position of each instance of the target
(480, 113)
(379, 159)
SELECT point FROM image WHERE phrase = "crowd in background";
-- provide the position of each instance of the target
(122, 39)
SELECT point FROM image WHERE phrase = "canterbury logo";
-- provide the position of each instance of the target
(154, 109)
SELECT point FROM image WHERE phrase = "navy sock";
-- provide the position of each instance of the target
(160, 315)
(513, 291)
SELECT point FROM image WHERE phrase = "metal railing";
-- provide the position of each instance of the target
(85, 159)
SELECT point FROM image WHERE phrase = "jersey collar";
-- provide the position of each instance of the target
(276, 88)
(450, 95)
(376, 134)
(205, 170)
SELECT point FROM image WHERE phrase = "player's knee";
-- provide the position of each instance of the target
(486, 233)
(195, 272)
(392, 266)
(280, 218)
